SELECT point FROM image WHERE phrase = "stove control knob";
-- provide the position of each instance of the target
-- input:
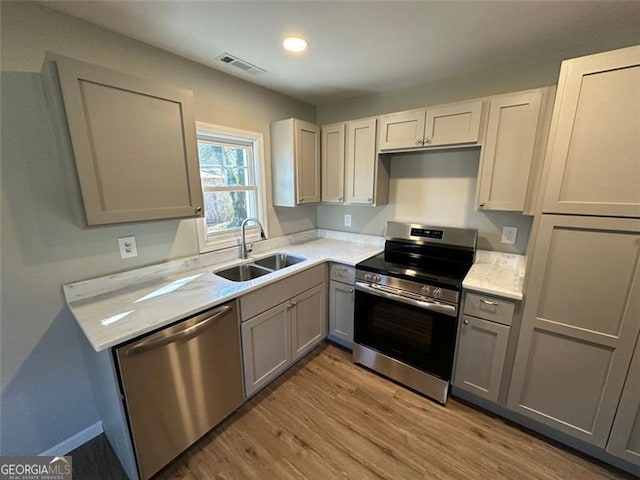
(437, 292)
(377, 278)
(426, 290)
(367, 277)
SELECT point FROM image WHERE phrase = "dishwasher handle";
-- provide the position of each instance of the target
(164, 337)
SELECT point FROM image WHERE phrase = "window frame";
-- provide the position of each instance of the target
(232, 237)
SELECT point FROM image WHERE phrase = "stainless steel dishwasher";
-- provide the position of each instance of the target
(179, 383)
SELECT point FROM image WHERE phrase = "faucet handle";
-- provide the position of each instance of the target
(250, 248)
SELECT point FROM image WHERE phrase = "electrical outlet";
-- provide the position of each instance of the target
(128, 247)
(509, 235)
(347, 220)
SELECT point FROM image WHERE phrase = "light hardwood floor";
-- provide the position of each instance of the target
(328, 418)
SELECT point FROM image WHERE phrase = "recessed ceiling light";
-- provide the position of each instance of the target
(295, 44)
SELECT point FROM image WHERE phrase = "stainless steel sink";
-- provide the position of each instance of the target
(279, 261)
(243, 273)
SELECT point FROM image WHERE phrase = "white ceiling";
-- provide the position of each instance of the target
(359, 47)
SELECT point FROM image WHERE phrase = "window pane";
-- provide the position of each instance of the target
(225, 210)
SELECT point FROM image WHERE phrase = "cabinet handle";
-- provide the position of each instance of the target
(466, 322)
(427, 141)
(419, 141)
(487, 302)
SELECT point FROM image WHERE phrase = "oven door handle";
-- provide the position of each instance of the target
(443, 308)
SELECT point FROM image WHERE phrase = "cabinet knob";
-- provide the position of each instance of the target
(293, 304)
(427, 141)
(369, 199)
(339, 199)
(482, 205)
(418, 141)
(198, 209)
(300, 200)
(351, 290)
(466, 322)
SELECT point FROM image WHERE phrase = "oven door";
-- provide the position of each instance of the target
(418, 333)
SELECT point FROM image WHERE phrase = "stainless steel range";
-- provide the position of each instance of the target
(406, 306)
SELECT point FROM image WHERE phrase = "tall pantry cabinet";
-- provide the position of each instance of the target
(575, 369)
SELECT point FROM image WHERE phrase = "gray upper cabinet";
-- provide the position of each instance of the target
(333, 163)
(367, 173)
(134, 143)
(513, 149)
(593, 158)
(295, 159)
(446, 125)
(580, 324)
(624, 440)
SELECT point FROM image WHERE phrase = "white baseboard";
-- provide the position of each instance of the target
(74, 441)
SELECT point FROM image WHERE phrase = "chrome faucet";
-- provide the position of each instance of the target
(244, 250)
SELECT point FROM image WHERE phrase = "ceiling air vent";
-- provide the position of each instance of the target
(241, 64)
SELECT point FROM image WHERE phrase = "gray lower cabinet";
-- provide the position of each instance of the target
(341, 309)
(580, 326)
(624, 440)
(482, 346)
(266, 347)
(308, 313)
(341, 304)
(483, 340)
(281, 323)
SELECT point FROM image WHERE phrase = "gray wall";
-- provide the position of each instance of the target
(46, 396)
(439, 188)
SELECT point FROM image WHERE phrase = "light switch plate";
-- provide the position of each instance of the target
(128, 247)
(347, 220)
(509, 235)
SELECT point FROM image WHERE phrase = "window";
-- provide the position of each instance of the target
(231, 169)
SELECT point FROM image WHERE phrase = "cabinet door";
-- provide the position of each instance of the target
(453, 124)
(482, 346)
(361, 161)
(266, 347)
(134, 143)
(580, 324)
(341, 309)
(508, 150)
(624, 440)
(594, 148)
(307, 162)
(402, 130)
(333, 163)
(308, 320)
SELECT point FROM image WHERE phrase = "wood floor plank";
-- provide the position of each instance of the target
(328, 418)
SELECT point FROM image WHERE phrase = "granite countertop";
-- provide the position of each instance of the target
(495, 273)
(117, 308)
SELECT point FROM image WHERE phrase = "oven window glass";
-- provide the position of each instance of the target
(417, 337)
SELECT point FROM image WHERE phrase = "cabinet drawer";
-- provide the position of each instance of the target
(343, 273)
(267, 297)
(490, 308)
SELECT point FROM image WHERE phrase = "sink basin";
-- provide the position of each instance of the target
(279, 261)
(243, 273)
